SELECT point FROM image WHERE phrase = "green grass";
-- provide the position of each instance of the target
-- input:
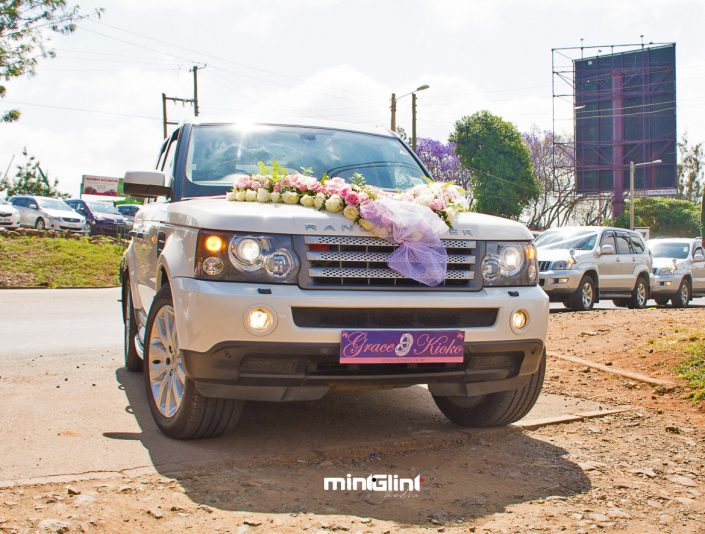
(31, 261)
(692, 368)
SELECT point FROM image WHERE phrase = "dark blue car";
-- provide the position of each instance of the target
(101, 218)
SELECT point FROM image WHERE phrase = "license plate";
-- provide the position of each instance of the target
(416, 346)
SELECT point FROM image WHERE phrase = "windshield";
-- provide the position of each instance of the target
(217, 153)
(575, 239)
(102, 207)
(670, 250)
(54, 204)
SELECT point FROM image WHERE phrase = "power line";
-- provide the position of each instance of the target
(83, 110)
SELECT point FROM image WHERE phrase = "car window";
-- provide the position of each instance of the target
(669, 249)
(698, 250)
(162, 153)
(637, 245)
(608, 239)
(623, 244)
(21, 202)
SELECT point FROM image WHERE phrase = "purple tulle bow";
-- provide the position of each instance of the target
(421, 255)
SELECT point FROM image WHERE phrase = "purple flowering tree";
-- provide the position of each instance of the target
(443, 163)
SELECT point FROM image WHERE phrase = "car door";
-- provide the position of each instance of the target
(641, 260)
(22, 205)
(607, 264)
(698, 270)
(626, 263)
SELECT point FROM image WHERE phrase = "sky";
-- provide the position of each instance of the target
(96, 107)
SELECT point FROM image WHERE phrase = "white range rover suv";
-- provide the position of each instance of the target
(268, 324)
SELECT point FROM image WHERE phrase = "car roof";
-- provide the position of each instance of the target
(673, 239)
(306, 123)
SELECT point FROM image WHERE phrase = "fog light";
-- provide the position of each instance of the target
(212, 266)
(562, 280)
(519, 319)
(260, 320)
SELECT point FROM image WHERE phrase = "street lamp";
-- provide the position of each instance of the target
(396, 99)
(632, 169)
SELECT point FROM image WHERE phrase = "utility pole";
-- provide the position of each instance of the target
(193, 101)
(413, 121)
(394, 112)
(632, 169)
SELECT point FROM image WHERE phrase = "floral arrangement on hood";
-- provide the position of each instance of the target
(415, 219)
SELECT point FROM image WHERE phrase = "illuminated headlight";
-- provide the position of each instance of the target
(519, 320)
(246, 258)
(260, 320)
(509, 264)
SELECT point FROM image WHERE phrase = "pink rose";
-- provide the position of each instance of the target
(352, 199)
(437, 204)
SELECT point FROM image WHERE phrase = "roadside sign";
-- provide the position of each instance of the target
(101, 185)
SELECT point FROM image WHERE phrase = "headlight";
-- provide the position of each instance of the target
(563, 265)
(509, 264)
(227, 256)
(667, 269)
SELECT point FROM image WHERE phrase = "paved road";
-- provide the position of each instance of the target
(68, 406)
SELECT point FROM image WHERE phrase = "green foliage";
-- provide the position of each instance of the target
(692, 369)
(58, 262)
(31, 180)
(502, 176)
(24, 29)
(665, 216)
(690, 169)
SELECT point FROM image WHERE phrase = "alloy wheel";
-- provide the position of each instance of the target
(166, 367)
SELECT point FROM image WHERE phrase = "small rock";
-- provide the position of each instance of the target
(125, 489)
(673, 430)
(665, 518)
(648, 472)
(156, 514)
(73, 490)
(326, 463)
(84, 499)
(597, 517)
(590, 465)
(54, 525)
(365, 521)
(616, 512)
(683, 481)
(252, 523)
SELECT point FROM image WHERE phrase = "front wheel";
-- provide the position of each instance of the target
(682, 298)
(640, 294)
(178, 409)
(40, 224)
(494, 409)
(584, 298)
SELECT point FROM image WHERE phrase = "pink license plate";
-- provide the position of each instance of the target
(416, 346)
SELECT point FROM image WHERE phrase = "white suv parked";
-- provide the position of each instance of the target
(229, 301)
(579, 265)
(679, 270)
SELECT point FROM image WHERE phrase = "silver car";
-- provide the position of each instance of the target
(9, 216)
(45, 213)
(679, 270)
(579, 265)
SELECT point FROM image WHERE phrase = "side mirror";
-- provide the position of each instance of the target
(606, 250)
(146, 184)
(698, 257)
(33, 206)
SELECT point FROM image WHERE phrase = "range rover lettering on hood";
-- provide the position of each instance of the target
(350, 228)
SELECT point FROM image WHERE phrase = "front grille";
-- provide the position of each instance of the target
(70, 220)
(394, 317)
(5, 214)
(351, 262)
(544, 266)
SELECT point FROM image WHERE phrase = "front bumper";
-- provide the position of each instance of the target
(114, 230)
(294, 362)
(10, 222)
(560, 283)
(666, 284)
(61, 225)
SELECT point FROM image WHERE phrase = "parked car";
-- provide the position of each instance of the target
(226, 302)
(679, 270)
(44, 213)
(101, 217)
(579, 265)
(9, 215)
(129, 211)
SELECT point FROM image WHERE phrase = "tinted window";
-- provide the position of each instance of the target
(698, 250)
(623, 244)
(21, 202)
(638, 245)
(608, 239)
(666, 249)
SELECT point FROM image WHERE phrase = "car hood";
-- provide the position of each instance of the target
(108, 217)
(663, 262)
(220, 214)
(62, 213)
(8, 208)
(556, 254)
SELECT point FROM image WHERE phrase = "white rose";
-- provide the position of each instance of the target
(307, 200)
(350, 212)
(319, 201)
(425, 199)
(250, 195)
(276, 197)
(263, 195)
(451, 213)
(231, 195)
(366, 225)
(240, 196)
(334, 204)
(290, 197)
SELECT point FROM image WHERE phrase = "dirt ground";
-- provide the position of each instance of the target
(642, 470)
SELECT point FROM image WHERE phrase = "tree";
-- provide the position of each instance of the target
(502, 177)
(690, 170)
(671, 217)
(24, 29)
(31, 180)
(443, 163)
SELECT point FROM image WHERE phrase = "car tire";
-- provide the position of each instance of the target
(494, 409)
(661, 301)
(190, 416)
(584, 297)
(640, 295)
(133, 362)
(40, 224)
(682, 298)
